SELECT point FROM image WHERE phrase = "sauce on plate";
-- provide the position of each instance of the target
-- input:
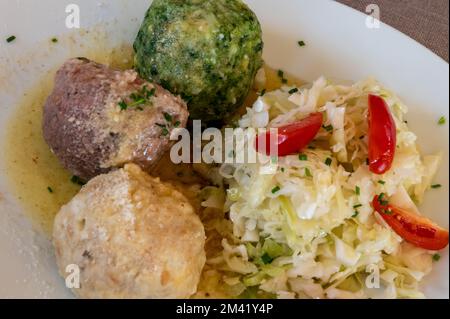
(40, 182)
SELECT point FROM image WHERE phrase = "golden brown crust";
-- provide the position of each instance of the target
(132, 237)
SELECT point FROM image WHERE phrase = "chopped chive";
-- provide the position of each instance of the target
(138, 99)
(11, 39)
(148, 93)
(301, 43)
(436, 186)
(436, 257)
(164, 131)
(177, 123)
(356, 213)
(280, 73)
(292, 91)
(381, 200)
(357, 190)
(167, 117)
(328, 128)
(160, 125)
(381, 182)
(302, 157)
(266, 259)
(50, 190)
(282, 169)
(311, 147)
(387, 211)
(135, 97)
(357, 206)
(54, 40)
(262, 92)
(137, 102)
(308, 172)
(275, 189)
(328, 161)
(284, 81)
(123, 106)
(76, 180)
(441, 120)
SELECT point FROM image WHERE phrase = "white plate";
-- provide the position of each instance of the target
(338, 45)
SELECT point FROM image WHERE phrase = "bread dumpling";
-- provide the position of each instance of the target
(132, 236)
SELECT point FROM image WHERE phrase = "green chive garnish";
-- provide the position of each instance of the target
(328, 128)
(301, 43)
(302, 157)
(381, 200)
(381, 182)
(357, 206)
(436, 257)
(292, 91)
(308, 172)
(356, 213)
(167, 117)
(11, 39)
(266, 259)
(357, 190)
(50, 190)
(441, 120)
(164, 131)
(280, 73)
(328, 161)
(123, 106)
(275, 189)
(148, 93)
(138, 101)
(262, 92)
(54, 40)
(177, 123)
(77, 180)
(436, 186)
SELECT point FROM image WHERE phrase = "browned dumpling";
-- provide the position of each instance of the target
(98, 118)
(132, 236)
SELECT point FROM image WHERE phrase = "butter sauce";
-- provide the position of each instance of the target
(40, 182)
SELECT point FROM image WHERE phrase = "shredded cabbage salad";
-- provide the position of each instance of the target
(307, 228)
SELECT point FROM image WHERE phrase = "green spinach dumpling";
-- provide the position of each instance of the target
(208, 51)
